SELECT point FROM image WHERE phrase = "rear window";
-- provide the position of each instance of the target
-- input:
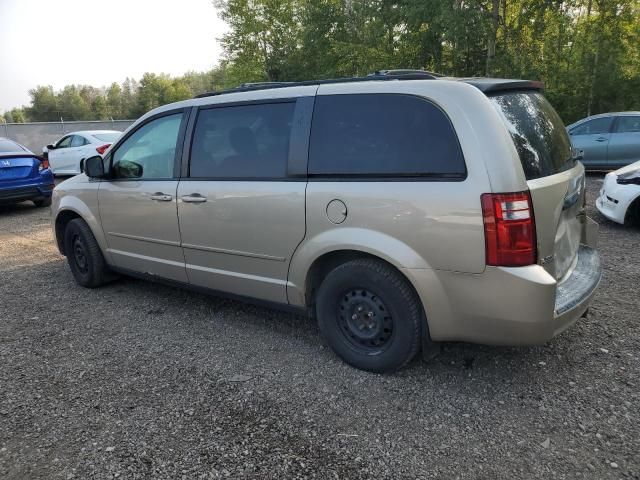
(538, 133)
(107, 137)
(246, 141)
(7, 146)
(382, 135)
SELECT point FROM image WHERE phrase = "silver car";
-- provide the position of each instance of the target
(399, 209)
(608, 141)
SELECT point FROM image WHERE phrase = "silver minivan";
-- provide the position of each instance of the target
(399, 209)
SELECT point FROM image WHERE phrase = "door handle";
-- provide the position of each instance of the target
(601, 139)
(161, 197)
(193, 198)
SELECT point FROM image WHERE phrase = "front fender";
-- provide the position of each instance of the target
(363, 240)
(86, 208)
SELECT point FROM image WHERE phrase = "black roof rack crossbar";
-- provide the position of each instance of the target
(378, 75)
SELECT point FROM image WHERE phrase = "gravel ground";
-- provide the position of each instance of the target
(137, 380)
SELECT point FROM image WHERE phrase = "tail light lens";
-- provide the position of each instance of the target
(103, 148)
(44, 163)
(509, 229)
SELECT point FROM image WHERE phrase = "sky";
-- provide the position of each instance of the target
(97, 42)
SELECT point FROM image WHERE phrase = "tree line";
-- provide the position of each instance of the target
(586, 51)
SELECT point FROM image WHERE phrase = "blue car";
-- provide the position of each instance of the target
(608, 141)
(23, 175)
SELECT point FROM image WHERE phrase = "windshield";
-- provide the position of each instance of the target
(538, 133)
(108, 137)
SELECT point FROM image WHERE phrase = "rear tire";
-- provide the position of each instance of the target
(369, 315)
(84, 256)
(42, 202)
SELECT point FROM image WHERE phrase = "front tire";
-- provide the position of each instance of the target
(84, 256)
(633, 214)
(369, 315)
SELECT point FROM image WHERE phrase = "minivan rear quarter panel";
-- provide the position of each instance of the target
(417, 223)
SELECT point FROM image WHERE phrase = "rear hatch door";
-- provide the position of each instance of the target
(555, 179)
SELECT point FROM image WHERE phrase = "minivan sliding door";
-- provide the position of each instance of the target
(241, 212)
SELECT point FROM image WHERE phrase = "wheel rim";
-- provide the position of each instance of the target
(364, 320)
(79, 255)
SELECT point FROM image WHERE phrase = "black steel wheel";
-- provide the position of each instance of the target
(364, 320)
(370, 315)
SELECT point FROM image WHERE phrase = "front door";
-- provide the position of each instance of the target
(624, 147)
(59, 156)
(592, 137)
(241, 215)
(138, 206)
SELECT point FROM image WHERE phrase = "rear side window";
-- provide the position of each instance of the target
(247, 141)
(537, 131)
(382, 135)
(592, 127)
(628, 124)
(78, 141)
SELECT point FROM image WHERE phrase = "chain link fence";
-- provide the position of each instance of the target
(36, 135)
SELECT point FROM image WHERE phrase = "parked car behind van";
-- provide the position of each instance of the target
(399, 208)
(67, 155)
(23, 175)
(608, 141)
(619, 198)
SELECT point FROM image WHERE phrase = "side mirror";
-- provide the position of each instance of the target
(93, 167)
(577, 154)
(51, 146)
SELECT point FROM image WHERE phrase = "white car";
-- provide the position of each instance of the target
(619, 198)
(65, 155)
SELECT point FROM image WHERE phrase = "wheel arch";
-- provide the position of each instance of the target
(330, 247)
(632, 215)
(70, 208)
(62, 220)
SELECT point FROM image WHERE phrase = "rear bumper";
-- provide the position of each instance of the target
(25, 192)
(508, 306)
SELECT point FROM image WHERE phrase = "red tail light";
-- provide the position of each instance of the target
(44, 163)
(103, 148)
(509, 229)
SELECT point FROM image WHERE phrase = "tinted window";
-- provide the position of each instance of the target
(389, 135)
(250, 141)
(65, 142)
(9, 146)
(628, 124)
(592, 127)
(78, 141)
(150, 151)
(107, 137)
(537, 131)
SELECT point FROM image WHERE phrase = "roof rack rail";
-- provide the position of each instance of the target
(378, 75)
(405, 71)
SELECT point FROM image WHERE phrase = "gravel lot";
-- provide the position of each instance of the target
(137, 380)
